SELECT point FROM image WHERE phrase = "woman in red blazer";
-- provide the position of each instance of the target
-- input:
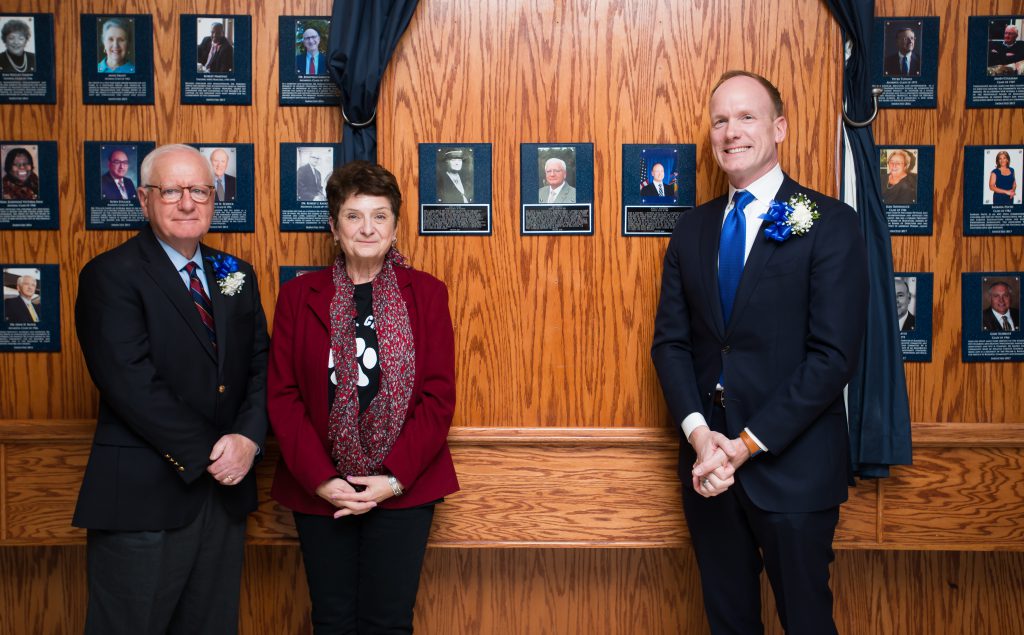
(361, 391)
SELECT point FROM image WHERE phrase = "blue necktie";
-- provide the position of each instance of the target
(906, 65)
(730, 251)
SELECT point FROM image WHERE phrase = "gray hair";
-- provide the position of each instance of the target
(117, 23)
(27, 275)
(147, 164)
(556, 160)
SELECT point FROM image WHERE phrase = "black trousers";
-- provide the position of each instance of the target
(734, 539)
(173, 581)
(363, 571)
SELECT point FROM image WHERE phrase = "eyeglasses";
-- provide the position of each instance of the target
(198, 193)
(116, 162)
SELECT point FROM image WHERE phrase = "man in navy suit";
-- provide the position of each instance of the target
(115, 184)
(312, 62)
(215, 53)
(177, 347)
(21, 308)
(905, 60)
(754, 340)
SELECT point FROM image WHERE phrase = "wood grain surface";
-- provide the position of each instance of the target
(563, 592)
(551, 332)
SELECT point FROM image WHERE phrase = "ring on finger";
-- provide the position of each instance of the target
(706, 483)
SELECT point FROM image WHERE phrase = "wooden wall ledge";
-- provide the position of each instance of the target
(925, 434)
(584, 487)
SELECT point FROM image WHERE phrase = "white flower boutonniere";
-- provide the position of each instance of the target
(229, 278)
(794, 217)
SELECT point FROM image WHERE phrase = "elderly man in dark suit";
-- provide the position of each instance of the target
(905, 60)
(215, 53)
(1000, 316)
(223, 183)
(759, 327)
(906, 319)
(175, 340)
(20, 308)
(115, 184)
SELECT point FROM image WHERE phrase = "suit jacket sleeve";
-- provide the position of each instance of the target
(111, 325)
(425, 431)
(301, 447)
(837, 295)
(251, 419)
(672, 351)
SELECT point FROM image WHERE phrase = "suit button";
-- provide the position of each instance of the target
(221, 388)
(726, 349)
(181, 469)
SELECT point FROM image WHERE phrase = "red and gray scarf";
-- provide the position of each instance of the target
(361, 442)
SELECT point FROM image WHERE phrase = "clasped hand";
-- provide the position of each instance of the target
(340, 493)
(232, 457)
(718, 458)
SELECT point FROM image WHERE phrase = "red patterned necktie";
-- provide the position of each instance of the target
(202, 301)
(312, 66)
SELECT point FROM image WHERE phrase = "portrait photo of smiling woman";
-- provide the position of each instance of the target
(20, 181)
(16, 34)
(116, 44)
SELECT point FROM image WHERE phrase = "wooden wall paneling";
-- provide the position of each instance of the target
(579, 309)
(605, 592)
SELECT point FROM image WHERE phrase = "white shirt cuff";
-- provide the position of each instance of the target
(693, 421)
(756, 440)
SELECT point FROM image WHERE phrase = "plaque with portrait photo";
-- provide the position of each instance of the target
(305, 168)
(31, 317)
(556, 188)
(303, 73)
(658, 184)
(30, 199)
(216, 59)
(993, 203)
(905, 61)
(991, 317)
(27, 74)
(233, 178)
(286, 273)
(117, 58)
(907, 186)
(111, 183)
(914, 314)
(455, 189)
(995, 61)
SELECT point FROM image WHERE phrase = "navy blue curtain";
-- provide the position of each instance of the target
(878, 404)
(364, 34)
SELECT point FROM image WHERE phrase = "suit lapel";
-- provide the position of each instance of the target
(760, 252)
(710, 236)
(161, 270)
(321, 294)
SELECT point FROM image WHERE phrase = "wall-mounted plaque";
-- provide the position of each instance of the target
(658, 184)
(907, 186)
(305, 168)
(992, 190)
(995, 61)
(216, 59)
(31, 319)
(455, 189)
(905, 61)
(233, 177)
(557, 188)
(29, 198)
(991, 317)
(111, 183)
(914, 314)
(117, 59)
(26, 63)
(305, 80)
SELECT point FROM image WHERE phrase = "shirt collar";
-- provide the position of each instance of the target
(766, 187)
(180, 261)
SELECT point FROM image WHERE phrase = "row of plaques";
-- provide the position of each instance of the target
(991, 327)
(658, 182)
(216, 60)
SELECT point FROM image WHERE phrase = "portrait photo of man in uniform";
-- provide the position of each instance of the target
(455, 175)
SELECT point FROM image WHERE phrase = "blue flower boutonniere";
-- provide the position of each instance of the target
(794, 217)
(229, 278)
